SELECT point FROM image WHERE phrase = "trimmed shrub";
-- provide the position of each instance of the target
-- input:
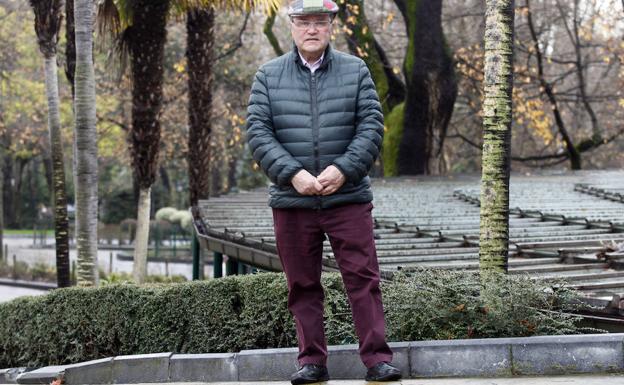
(438, 304)
(245, 312)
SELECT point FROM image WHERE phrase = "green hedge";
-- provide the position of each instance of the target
(244, 312)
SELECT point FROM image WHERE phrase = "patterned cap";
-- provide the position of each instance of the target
(310, 7)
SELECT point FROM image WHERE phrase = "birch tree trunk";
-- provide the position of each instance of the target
(497, 112)
(61, 223)
(141, 240)
(86, 146)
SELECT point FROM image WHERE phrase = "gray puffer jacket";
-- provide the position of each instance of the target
(299, 120)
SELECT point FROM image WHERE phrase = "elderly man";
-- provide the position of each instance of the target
(315, 127)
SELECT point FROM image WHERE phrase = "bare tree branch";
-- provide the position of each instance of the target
(575, 156)
(239, 43)
(268, 32)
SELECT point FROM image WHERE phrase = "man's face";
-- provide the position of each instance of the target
(311, 33)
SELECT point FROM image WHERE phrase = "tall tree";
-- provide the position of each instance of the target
(48, 17)
(86, 146)
(70, 43)
(199, 53)
(145, 39)
(416, 116)
(142, 27)
(431, 86)
(497, 113)
(362, 42)
(200, 41)
(390, 87)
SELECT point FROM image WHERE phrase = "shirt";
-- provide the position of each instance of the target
(314, 66)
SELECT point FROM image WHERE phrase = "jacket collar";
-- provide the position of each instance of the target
(328, 56)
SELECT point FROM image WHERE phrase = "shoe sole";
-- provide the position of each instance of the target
(390, 377)
(304, 381)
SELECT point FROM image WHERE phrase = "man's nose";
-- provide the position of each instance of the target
(313, 28)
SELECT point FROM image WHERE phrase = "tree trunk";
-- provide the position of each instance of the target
(573, 152)
(431, 86)
(200, 39)
(2, 256)
(166, 183)
(231, 174)
(48, 173)
(2, 185)
(215, 181)
(146, 39)
(70, 45)
(7, 190)
(141, 239)
(268, 32)
(497, 114)
(86, 146)
(17, 191)
(61, 223)
(362, 43)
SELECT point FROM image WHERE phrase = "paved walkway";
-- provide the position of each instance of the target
(8, 293)
(556, 380)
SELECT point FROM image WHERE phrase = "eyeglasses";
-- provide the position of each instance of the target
(305, 24)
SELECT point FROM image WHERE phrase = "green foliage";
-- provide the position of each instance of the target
(123, 277)
(245, 312)
(118, 206)
(431, 304)
(249, 175)
(165, 213)
(171, 215)
(39, 272)
(392, 140)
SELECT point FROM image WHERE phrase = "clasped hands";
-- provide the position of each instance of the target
(328, 181)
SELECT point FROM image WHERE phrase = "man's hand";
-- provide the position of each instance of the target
(306, 184)
(332, 179)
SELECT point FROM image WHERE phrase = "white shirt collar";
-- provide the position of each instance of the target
(314, 66)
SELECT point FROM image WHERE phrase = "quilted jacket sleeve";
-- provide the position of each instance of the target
(369, 128)
(278, 164)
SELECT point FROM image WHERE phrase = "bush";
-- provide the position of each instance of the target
(21, 270)
(124, 277)
(246, 312)
(436, 304)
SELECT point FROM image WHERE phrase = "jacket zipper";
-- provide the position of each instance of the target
(315, 129)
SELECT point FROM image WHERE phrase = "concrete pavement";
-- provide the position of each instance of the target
(549, 380)
(8, 293)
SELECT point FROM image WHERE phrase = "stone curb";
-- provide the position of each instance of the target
(495, 357)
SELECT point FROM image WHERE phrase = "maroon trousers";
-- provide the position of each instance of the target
(300, 234)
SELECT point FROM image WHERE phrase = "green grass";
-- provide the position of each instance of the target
(24, 232)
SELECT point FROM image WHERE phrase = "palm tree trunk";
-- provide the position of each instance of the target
(200, 39)
(146, 39)
(70, 44)
(61, 224)
(2, 185)
(497, 112)
(139, 268)
(86, 146)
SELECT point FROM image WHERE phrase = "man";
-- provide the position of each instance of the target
(315, 127)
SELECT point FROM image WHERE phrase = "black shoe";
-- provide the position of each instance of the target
(383, 371)
(310, 373)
